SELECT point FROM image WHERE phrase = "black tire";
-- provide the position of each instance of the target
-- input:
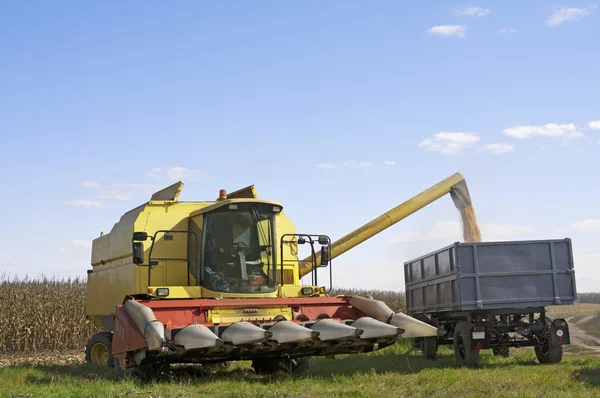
(140, 372)
(98, 350)
(464, 354)
(429, 348)
(294, 366)
(548, 353)
(501, 352)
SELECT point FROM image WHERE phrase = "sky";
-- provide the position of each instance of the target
(339, 110)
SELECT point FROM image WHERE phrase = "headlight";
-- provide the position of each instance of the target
(307, 291)
(162, 291)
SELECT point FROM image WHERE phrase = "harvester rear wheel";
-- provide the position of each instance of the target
(294, 366)
(465, 355)
(98, 351)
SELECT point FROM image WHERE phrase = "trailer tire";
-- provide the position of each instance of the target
(429, 348)
(98, 350)
(501, 352)
(464, 354)
(548, 353)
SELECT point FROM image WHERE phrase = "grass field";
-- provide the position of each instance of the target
(392, 372)
(39, 361)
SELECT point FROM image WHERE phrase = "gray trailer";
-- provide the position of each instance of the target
(492, 295)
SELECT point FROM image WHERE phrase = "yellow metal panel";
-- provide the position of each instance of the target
(290, 250)
(296, 291)
(214, 206)
(229, 315)
(100, 250)
(178, 292)
(108, 285)
(248, 192)
(206, 293)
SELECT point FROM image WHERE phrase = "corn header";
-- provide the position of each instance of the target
(217, 281)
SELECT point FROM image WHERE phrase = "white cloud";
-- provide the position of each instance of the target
(510, 31)
(451, 231)
(84, 203)
(357, 165)
(567, 131)
(472, 11)
(588, 225)
(82, 243)
(498, 149)
(90, 184)
(116, 195)
(326, 166)
(62, 250)
(449, 30)
(177, 173)
(449, 143)
(594, 125)
(389, 162)
(567, 14)
(138, 186)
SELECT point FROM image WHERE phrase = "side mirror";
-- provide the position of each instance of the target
(324, 256)
(140, 236)
(138, 253)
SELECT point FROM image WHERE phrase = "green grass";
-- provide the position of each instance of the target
(394, 371)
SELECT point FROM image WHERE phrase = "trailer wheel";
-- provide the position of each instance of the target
(98, 350)
(294, 366)
(501, 352)
(548, 353)
(465, 355)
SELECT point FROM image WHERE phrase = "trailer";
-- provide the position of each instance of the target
(492, 295)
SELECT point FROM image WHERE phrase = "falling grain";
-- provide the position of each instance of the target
(471, 232)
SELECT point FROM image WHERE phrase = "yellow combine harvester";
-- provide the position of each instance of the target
(216, 281)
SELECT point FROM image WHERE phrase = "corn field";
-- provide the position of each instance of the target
(395, 300)
(42, 315)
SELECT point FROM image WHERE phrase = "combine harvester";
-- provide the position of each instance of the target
(219, 281)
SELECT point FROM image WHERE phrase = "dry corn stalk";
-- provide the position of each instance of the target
(43, 315)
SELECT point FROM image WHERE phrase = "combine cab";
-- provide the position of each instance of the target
(218, 281)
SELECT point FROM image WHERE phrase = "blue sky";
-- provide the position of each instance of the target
(340, 110)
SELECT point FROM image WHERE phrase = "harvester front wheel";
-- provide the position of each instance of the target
(98, 350)
(294, 366)
(141, 372)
